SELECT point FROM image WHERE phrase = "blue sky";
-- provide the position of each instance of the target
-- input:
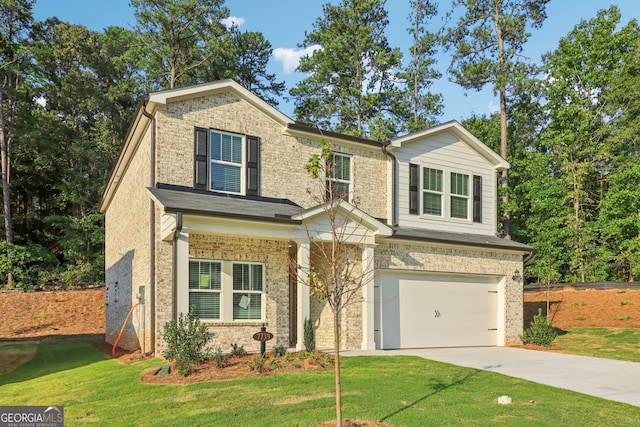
(283, 23)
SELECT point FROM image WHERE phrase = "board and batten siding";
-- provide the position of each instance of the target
(447, 152)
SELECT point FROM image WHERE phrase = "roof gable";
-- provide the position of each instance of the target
(456, 129)
(351, 221)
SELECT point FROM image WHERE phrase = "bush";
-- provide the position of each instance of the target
(309, 339)
(186, 340)
(220, 359)
(237, 350)
(540, 331)
(26, 263)
(279, 350)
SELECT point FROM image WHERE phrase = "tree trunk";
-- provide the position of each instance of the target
(6, 199)
(336, 346)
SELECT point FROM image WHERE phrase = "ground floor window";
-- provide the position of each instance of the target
(225, 290)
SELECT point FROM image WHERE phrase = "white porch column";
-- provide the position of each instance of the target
(368, 298)
(303, 311)
(182, 270)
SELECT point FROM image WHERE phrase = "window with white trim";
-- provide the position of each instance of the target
(459, 207)
(205, 288)
(226, 162)
(432, 191)
(225, 290)
(338, 177)
(247, 291)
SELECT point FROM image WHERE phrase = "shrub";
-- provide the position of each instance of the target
(186, 341)
(257, 364)
(309, 339)
(220, 359)
(237, 350)
(26, 263)
(540, 331)
(279, 350)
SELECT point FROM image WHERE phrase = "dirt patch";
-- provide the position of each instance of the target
(569, 308)
(51, 313)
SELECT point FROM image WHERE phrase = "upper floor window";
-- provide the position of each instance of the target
(459, 195)
(444, 193)
(226, 162)
(432, 191)
(338, 179)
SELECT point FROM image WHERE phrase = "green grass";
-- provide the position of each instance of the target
(608, 343)
(402, 391)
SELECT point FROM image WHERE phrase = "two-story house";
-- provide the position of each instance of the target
(209, 201)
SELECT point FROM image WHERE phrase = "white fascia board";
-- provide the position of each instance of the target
(461, 132)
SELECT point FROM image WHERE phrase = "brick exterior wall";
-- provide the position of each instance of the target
(442, 259)
(127, 252)
(282, 157)
(274, 254)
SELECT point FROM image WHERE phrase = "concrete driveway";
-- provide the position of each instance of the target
(608, 379)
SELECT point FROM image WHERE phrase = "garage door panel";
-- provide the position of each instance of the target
(422, 311)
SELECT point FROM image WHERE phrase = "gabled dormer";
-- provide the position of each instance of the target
(446, 180)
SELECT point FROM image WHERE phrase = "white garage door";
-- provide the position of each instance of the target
(418, 310)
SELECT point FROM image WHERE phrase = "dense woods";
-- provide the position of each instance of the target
(568, 122)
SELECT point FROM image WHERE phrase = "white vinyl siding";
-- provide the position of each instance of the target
(447, 153)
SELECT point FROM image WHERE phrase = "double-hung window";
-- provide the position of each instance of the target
(338, 179)
(225, 290)
(205, 288)
(226, 162)
(247, 291)
(444, 193)
(432, 191)
(459, 195)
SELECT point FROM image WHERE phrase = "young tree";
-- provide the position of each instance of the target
(351, 82)
(488, 40)
(336, 275)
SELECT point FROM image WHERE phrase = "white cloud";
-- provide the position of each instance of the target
(232, 21)
(493, 108)
(290, 57)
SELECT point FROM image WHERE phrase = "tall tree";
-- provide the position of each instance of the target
(179, 39)
(249, 65)
(420, 73)
(580, 133)
(351, 82)
(15, 23)
(488, 40)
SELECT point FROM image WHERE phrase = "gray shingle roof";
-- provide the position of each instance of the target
(420, 234)
(221, 205)
(185, 200)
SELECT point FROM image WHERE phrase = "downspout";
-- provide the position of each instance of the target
(394, 213)
(174, 289)
(152, 228)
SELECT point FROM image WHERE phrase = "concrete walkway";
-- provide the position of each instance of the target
(608, 379)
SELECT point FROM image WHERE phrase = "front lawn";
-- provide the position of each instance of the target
(402, 391)
(607, 343)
